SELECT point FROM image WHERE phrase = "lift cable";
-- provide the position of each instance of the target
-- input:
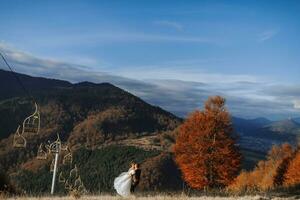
(17, 78)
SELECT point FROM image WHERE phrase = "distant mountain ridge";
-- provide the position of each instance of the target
(297, 119)
(10, 87)
(257, 125)
(89, 97)
(261, 121)
(249, 126)
(287, 126)
(260, 134)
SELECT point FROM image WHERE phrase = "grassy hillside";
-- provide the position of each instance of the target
(98, 169)
(83, 115)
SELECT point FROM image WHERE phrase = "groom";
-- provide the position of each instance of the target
(135, 177)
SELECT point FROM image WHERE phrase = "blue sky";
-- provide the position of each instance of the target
(247, 51)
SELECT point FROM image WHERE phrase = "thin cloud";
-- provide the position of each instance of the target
(169, 24)
(182, 73)
(297, 104)
(122, 37)
(266, 35)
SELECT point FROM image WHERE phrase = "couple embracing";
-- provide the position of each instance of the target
(126, 182)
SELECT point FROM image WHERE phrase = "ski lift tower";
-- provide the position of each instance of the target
(55, 148)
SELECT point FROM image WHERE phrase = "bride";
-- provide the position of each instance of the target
(122, 183)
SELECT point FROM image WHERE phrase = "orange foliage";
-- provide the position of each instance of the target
(205, 150)
(277, 155)
(267, 174)
(245, 182)
(292, 176)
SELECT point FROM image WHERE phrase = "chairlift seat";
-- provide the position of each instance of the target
(19, 140)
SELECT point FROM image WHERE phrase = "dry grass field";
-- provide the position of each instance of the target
(158, 197)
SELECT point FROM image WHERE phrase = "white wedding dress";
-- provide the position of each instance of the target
(122, 183)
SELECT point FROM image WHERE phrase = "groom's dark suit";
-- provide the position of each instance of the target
(135, 179)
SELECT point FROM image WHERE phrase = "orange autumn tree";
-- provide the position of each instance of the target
(268, 174)
(205, 150)
(292, 175)
(272, 170)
